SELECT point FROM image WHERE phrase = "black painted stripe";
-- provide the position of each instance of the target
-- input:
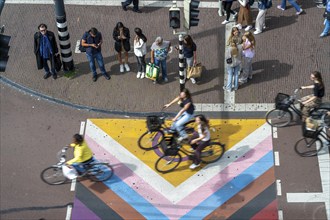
(64, 38)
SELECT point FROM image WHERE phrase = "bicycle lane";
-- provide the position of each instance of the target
(241, 183)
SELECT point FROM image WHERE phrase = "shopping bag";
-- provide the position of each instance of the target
(152, 71)
(69, 173)
(194, 71)
(58, 62)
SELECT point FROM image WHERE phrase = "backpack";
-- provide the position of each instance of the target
(251, 2)
(269, 4)
(81, 47)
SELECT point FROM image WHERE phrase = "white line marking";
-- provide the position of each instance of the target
(73, 185)
(234, 107)
(68, 212)
(277, 158)
(279, 187)
(82, 127)
(275, 132)
(280, 214)
(76, 50)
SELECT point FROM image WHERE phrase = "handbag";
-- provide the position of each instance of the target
(229, 60)
(58, 62)
(194, 71)
(152, 71)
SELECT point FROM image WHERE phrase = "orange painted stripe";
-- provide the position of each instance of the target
(244, 196)
(269, 212)
(111, 199)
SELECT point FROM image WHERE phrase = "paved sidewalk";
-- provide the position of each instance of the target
(286, 53)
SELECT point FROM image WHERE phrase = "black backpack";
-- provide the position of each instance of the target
(82, 48)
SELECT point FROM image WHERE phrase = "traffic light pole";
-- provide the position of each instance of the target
(63, 36)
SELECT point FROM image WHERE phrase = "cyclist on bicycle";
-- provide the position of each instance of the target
(83, 155)
(314, 100)
(200, 139)
(184, 115)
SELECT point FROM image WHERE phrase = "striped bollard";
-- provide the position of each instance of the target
(181, 63)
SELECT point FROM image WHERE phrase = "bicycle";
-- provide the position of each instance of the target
(282, 115)
(311, 142)
(95, 171)
(172, 157)
(155, 134)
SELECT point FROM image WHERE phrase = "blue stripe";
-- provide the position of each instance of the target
(231, 188)
(134, 199)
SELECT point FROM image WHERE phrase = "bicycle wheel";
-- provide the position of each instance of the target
(278, 118)
(167, 164)
(53, 175)
(308, 147)
(150, 140)
(212, 152)
(100, 172)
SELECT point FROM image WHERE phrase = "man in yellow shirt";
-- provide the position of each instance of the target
(83, 155)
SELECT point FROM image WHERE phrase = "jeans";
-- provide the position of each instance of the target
(135, 3)
(81, 167)
(163, 64)
(232, 75)
(260, 20)
(326, 27)
(247, 69)
(99, 58)
(292, 2)
(141, 62)
(52, 66)
(178, 125)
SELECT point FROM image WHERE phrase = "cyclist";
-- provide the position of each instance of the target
(200, 139)
(184, 115)
(83, 155)
(314, 100)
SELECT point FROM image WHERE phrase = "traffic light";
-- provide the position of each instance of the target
(4, 49)
(191, 13)
(174, 14)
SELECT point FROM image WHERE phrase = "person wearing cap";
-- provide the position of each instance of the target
(159, 51)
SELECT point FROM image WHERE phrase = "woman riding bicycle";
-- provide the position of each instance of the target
(83, 155)
(200, 140)
(314, 100)
(184, 115)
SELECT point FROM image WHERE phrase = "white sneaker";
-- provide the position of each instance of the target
(193, 81)
(239, 26)
(248, 28)
(180, 139)
(257, 32)
(142, 75)
(121, 68)
(138, 74)
(127, 67)
(193, 166)
(299, 12)
(225, 22)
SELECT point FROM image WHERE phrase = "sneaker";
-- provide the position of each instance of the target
(127, 67)
(323, 35)
(180, 139)
(193, 81)
(166, 79)
(107, 77)
(264, 27)
(225, 22)
(239, 26)
(280, 7)
(194, 166)
(54, 76)
(250, 77)
(47, 75)
(299, 12)
(94, 78)
(121, 68)
(123, 6)
(257, 32)
(142, 75)
(235, 15)
(138, 75)
(249, 27)
(137, 11)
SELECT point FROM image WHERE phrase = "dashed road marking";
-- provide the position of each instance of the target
(280, 214)
(279, 187)
(277, 158)
(275, 132)
(68, 212)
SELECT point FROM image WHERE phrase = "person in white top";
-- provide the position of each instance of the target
(140, 51)
(200, 139)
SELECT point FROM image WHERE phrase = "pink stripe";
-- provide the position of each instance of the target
(192, 200)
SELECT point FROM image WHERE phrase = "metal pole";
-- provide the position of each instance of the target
(63, 36)
(181, 63)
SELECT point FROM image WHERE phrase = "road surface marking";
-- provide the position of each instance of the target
(279, 187)
(82, 127)
(280, 214)
(68, 212)
(277, 158)
(275, 132)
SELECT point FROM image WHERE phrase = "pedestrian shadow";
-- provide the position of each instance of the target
(279, 21)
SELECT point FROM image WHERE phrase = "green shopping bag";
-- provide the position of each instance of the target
(152, 71)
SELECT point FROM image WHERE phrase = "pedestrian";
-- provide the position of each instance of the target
(227, 6)
(184, 115)
(263, 5)
(326, 15)
(140, 51)
(234, 54)
(159, 51)
(189, 53)
(315, 99)
(92, 41)
(200, 139)
(121, 36)
(244, 15)
(282, 6)
(235, 37)
(248, 54)
(45, 49)
(135, 5)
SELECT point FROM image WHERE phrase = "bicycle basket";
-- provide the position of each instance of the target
(153, 123)
(282, 101)
(310, 129)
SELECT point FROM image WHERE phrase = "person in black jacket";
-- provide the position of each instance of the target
(45, 48)
(121, 36)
